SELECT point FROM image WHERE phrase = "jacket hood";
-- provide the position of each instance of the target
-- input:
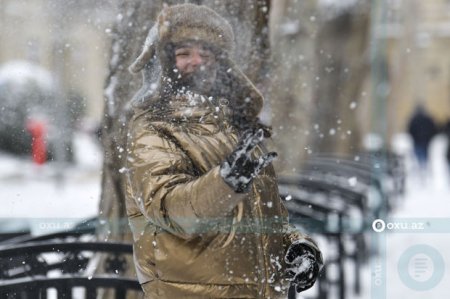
(178, 23)
(189, 22)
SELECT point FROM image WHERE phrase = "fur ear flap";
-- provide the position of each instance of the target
(148, 50)
(163, 24)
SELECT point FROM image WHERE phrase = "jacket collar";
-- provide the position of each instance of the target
(190, 108)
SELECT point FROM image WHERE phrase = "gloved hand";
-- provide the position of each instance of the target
(239, 169)
(304, 265)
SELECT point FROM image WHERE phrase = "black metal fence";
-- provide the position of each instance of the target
(37, 287)
(338, 198)
(25, 274)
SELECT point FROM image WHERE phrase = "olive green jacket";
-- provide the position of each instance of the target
(194, 237)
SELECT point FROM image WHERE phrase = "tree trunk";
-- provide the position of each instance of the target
(342, 68)
(293, 33)
(321, 63)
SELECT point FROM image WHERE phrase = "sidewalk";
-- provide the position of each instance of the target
(417, 260)
(49, 197)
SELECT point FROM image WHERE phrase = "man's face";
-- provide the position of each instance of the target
(196, 66)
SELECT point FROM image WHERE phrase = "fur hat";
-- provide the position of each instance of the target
(184, 22)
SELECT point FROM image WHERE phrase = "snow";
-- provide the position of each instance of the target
(334, 8)
(338, 4)
(426, 201)
(151, 39)
(290, 28)
(109, 95)
(21, 72)
(301, 264)
(53, 196)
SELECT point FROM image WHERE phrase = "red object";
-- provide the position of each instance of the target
(38, 145)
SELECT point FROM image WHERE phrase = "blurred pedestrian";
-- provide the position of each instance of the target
(447, 133)
(202, 195)
(422, 129)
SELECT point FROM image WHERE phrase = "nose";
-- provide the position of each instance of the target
(196, 59)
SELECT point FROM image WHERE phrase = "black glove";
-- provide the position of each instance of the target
(238, 169)
(303, 266)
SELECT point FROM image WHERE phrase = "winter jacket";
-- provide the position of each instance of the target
(182, 212)
(447, 133)
(422, 129)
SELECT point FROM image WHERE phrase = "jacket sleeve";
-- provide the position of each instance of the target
(293, 235)
(168, 193)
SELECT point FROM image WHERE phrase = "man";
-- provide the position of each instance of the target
(447, 133)
(422, 130)
(202, 196)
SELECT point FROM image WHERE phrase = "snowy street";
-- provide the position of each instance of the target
(426, 204)
(46, 197)
(415, 242)
(49, 201)
(416, 239)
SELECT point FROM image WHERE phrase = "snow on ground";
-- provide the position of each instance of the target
(416, 263)
(416, 259)
(22, 72)
(53, 196)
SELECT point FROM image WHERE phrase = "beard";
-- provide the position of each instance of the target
(201, 81)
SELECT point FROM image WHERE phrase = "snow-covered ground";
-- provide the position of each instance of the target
(414, 262)
(51, 197)
(415, 245)
(418, 260)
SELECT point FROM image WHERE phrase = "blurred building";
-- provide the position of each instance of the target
(68, 38)
(416, 35)
(347, 69)
(409, 41)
